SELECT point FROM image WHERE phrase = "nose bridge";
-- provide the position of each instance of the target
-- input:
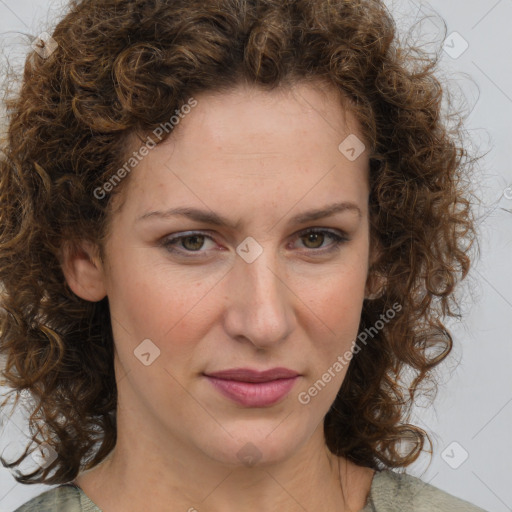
(262, 279)
(259, 309)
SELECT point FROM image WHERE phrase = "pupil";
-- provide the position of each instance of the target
(195, 237)
(314, 236)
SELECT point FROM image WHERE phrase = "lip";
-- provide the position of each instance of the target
(250, 375)
(253, 388)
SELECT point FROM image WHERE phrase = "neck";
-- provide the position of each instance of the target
(131, 479)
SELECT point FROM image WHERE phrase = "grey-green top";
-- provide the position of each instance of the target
(390, 492)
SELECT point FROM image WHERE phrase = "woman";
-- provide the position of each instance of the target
(228, 230)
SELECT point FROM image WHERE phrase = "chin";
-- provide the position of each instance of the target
(255, 447)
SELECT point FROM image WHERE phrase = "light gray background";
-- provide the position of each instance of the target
(474, 404)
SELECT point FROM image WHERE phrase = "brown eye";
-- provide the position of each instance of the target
(190, 243)
(314, 238)
(194, 245)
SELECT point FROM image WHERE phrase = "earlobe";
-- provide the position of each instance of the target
(83, 270)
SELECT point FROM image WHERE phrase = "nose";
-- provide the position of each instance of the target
(260, 307)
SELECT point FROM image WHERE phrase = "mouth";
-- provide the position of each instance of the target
(253, 388)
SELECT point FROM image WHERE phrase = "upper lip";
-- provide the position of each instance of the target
(249, 375)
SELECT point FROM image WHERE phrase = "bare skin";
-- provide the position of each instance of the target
(349, 490)
(259, 159)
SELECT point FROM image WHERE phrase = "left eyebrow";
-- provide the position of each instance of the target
(327, 211)
(210, 217)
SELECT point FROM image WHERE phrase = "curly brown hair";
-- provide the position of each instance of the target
(121, 68)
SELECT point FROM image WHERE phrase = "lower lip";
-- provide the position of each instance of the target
(254, 394)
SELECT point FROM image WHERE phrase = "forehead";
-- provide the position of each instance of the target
(236, 142)
(247, 110)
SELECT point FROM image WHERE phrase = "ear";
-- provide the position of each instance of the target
(83, 270)
(375, 282)
(375, 286)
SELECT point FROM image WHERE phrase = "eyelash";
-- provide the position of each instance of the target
(168, 242)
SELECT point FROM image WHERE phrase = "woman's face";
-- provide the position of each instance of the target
(258, 292)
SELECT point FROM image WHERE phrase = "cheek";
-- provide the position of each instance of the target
(337, 304)
(332, 333)
(344, 303)
(340, 292)
(152, 301)
(146, 307)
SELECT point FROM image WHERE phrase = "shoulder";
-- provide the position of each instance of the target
(65, 498)
(397, 492)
